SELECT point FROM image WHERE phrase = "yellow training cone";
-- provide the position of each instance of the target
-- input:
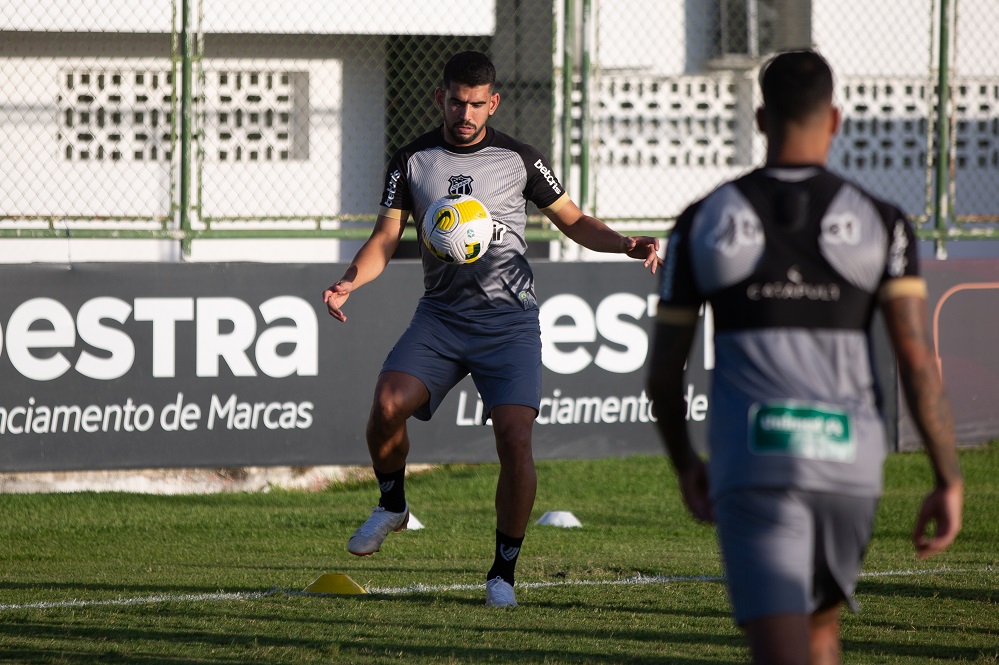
(335, 583)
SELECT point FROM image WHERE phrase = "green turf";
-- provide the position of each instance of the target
(93, 547)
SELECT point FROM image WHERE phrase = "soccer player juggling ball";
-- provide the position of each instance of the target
(793, 261)
(486, 310)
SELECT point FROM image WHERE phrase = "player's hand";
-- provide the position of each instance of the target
(694, 489)
(645, 249)
(943, 507)
(335, 297)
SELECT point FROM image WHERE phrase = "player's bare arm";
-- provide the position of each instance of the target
(368, 263)
(674, 335)
(906, 318)
(593, 234)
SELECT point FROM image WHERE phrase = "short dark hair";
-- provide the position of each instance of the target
(795, 85)
(471, 68)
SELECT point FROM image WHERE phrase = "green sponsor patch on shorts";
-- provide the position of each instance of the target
(802, 429)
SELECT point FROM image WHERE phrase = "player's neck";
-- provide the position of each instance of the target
(799, 146)
(794, 154)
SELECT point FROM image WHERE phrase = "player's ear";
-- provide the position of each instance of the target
(439, 98)
(835, 118)
(494, 100)
(761, 120)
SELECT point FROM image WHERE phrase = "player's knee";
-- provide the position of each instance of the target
(386, 415)
(514, 445)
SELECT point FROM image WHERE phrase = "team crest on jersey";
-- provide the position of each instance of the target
(460, 184)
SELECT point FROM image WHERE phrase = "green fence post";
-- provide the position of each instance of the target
(186, 118)
(941, 203)
(568, 67)
(584, 124)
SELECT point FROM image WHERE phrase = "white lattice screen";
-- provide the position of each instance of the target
(693, 121)
(115, 114)
(252, 115)
(121, 114)
(976, 133)
(885, 124)
(670, 121)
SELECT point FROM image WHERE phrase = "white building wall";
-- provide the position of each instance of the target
(656, 37)
(42, 183)
(39, 179)
(337, 172)
(658, 149)
(341, 17)
(887, 38)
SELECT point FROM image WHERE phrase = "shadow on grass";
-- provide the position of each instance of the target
(58, 655)
(350, 566)
(864, 651)
(930, 633)
(361, 628)
(925, 589)
(538, 655)
(108, 644)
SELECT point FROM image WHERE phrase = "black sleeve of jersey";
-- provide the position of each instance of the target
(396, 192)
(677, 287)
(542, 188)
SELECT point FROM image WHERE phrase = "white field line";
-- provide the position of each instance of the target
(430, 588)
(642, 579)
(637, 580)
(143, 600)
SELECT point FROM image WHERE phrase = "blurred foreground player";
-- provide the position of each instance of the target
(793, 261)
(480, 318)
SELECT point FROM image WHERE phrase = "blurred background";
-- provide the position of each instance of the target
(208, 130)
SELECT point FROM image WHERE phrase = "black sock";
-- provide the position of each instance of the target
(507, 551)
(393, 491)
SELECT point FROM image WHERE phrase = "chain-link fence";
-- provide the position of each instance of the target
(218, 118)
(87, 116)
(677, 91)
(191, 119)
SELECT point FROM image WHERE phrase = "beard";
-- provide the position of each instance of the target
(465, 139)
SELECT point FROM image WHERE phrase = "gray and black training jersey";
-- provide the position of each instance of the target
(792, 262)
(502, 173)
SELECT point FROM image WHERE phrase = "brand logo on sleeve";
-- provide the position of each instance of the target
(897, 261)
(548, 175)
(390, 189)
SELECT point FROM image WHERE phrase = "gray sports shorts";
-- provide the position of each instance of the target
(504, 360)
(791, 551)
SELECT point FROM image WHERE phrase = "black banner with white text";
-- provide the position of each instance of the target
(117, 366)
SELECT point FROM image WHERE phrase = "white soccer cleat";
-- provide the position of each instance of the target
(369, 536)
(499, 593)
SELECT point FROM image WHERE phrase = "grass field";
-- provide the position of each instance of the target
(122, 578)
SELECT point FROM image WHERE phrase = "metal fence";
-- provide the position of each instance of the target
(668, 123)
(199, 119)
